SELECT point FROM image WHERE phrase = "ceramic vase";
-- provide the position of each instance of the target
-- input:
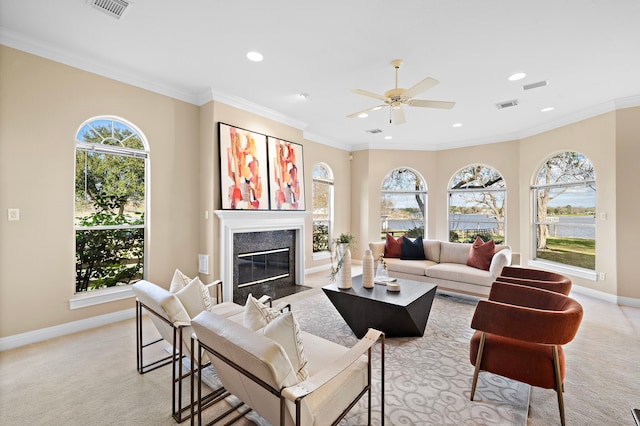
(344, 274)
(367, 269)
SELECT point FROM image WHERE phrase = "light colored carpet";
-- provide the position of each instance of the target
(427, 379)
(89, 378)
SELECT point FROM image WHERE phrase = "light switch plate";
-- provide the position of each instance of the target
(13, 214)
(203, 264)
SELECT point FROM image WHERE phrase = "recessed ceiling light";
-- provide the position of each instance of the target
(517, 76)
(457, 125)
(363, 115)
(388, 137)
(254, 56)
(547, 109)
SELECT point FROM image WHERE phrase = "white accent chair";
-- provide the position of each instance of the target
(174, 326)
(258, 371)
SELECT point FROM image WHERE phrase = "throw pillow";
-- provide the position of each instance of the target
(257, 314)
(178, 281)
(481, 253)
(393, 246)
(412, 250)
(191, 297)
(286, 332)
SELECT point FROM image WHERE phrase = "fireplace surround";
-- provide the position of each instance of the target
(232, 222)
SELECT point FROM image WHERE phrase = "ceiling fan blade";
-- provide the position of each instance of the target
(398, 116)
(370, 94)
(420, 87)
(430, 104)
(366, 111)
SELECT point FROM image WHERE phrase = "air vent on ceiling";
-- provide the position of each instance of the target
(535, 85)
(507, 104)
(113, 8)
(374, 131)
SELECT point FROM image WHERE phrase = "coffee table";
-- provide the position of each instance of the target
(402, 313)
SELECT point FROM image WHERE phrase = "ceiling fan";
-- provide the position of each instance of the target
(398, 96)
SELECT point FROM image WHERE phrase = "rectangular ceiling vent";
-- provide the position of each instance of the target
(535, 85)
(374, 131)
(507, 104)
(114, 8)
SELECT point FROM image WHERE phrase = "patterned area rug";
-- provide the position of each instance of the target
(428, 379)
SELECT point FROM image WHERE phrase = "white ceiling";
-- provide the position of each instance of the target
(194, 50)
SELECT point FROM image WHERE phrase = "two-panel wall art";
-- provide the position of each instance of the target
(259, 172)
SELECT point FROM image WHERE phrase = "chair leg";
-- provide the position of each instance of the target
(559, 384)
(477, 369)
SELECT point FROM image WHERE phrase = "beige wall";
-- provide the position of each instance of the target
(625, 222)
(42, 105)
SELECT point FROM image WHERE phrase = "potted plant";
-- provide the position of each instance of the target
(341, 251)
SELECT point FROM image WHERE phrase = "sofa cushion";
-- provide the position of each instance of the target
(432, 250)
(454, 252)
(412, 250)
(392, 246)
(413, 267)
(285, 331)
(461, 273)
(481, 253)
(257, 315)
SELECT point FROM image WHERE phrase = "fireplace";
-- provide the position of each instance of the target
(247, 238)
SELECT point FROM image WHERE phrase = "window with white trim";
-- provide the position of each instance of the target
(477, 207)
(403, 201)
(110, 203)
(564, 203)
(322, 207)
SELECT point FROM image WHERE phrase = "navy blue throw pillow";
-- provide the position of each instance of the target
(412, 250)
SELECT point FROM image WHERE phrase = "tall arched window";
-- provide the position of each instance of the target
(322, 207)
(403, 200)
(477, 207)
(110, 203)
(564, 197)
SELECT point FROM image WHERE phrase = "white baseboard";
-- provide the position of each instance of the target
(42, 334)
(607, 297)
(317, 269)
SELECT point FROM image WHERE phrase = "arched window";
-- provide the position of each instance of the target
(564, 197)
(110, 203)
(403, 200)
(322, 207)
(477, 205)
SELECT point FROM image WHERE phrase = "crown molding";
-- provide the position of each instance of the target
(45, 50)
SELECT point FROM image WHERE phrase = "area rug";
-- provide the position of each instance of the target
(427, 379)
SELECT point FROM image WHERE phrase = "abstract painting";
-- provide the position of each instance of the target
(243, 169)
(286, 175)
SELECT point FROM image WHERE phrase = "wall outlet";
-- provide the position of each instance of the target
(13, 214)
(203, 264)
(603, 216)
(602, 276)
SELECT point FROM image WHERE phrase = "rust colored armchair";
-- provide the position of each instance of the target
(536, 278)
(519, 333)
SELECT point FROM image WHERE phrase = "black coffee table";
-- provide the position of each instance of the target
(402, 313)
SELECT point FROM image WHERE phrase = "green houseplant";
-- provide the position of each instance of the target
(339, 246)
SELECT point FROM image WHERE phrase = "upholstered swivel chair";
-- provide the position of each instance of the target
(519, 334)
(536, 278)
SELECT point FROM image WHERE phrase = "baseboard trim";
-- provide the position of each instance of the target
(23, 339)
(607, 297)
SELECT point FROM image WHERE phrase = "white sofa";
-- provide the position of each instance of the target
(446, 266)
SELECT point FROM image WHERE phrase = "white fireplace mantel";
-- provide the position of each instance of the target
(241, 221)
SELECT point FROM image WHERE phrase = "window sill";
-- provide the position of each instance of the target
(320, 255)
(587, 274)
(98, 297)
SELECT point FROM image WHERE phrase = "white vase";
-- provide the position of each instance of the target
(367, 269)
(344, 274)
